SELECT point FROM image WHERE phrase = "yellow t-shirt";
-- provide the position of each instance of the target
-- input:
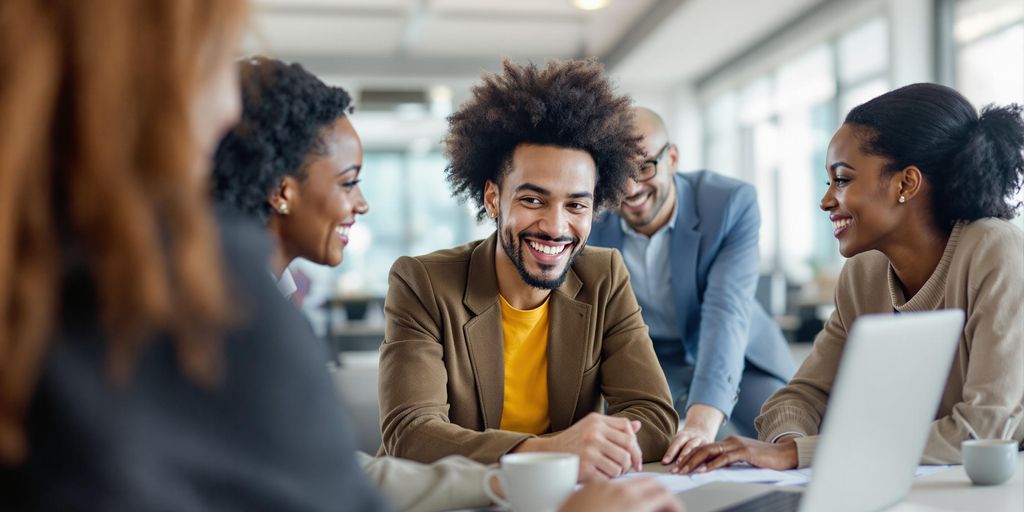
(525, 408)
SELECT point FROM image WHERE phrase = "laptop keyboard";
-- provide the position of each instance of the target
(775, 501)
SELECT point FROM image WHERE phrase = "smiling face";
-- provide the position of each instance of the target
(648, 204)
(544, 209)
(862, 199)
(322, 206)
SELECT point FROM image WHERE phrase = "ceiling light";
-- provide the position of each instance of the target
(590, 5)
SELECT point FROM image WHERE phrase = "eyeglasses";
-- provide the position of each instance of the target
(650, 167)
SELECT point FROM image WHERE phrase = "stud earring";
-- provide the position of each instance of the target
(902, 199)
(282, 208)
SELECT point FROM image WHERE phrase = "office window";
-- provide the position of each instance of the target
(863, 55)
(436, 221)
(722, 144)
(411, 212)
(379, 237)
(989, 54)
(806, 87)
(774, 130)
(863, 52)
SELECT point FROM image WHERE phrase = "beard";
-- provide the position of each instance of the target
(513, 247)
(658, 199)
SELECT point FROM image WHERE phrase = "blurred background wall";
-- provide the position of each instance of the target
(749, 88)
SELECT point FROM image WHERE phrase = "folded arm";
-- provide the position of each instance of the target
(993, 385)
(450, 483)
(413, 379)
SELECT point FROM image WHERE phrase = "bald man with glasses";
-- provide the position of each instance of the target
(689, 241)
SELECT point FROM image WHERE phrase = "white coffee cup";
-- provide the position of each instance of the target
(989, 461)
(534, 482)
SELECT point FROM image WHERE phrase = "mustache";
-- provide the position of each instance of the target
(541, 236)
(638, 194)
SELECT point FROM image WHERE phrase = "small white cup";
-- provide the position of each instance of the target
(534, 482)
(989, 461)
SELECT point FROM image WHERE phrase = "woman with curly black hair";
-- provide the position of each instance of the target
(920, 190)
(293, 162)
(509, 344)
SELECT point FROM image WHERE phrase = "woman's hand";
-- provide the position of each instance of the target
(781, 455)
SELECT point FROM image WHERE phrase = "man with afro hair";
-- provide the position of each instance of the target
(515, 343)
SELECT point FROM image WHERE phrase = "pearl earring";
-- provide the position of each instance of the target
(282, 208)
(902, 199)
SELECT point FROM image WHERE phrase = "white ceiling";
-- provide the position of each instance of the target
(704, 34)
(644, 42)
(408, 44)
(446, 29)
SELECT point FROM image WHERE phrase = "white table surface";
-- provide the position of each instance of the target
(948, 490)
(952, 490)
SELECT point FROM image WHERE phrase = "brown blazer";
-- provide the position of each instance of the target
(442, 368)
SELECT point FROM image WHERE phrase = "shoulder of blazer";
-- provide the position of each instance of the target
(440, 272)
(597, 264)
(458, 254)
(709, 185)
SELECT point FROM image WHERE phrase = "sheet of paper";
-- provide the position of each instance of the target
(746, 474)
(738, 474)
(673, 483)
(929, 470)
(921, 471)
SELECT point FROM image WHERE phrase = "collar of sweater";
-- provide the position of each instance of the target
(933, 291)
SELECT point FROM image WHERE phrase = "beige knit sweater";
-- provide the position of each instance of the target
(982, 273)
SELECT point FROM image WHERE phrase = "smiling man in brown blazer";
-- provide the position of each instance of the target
(509, 344)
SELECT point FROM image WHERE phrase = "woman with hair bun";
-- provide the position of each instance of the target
(920, 189)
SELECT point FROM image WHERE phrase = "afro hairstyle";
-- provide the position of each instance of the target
(569, 104)
(285, 112)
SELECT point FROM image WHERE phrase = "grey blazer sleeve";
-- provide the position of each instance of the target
(725, 311)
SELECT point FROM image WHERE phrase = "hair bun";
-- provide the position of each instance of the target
(1002, 124)
(990, 165)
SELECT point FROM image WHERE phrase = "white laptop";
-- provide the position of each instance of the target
(890, 381)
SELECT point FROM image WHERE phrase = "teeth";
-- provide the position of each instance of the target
(342, 230)
(547, 249)
(841, 223)
(637, 201)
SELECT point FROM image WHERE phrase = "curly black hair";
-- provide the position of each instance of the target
(568, 104)
(285, 111)
(974, 163)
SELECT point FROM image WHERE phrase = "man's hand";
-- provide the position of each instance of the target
(633, 495)
(780, 456)
(607, 446)
(702, 423)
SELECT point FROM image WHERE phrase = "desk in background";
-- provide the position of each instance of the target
(353, 323)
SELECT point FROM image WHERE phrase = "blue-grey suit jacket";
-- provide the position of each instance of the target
(714, 277)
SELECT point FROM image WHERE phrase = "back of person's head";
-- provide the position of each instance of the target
(102, 168)
(569, 104)
(973, 164)
(285, 111)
